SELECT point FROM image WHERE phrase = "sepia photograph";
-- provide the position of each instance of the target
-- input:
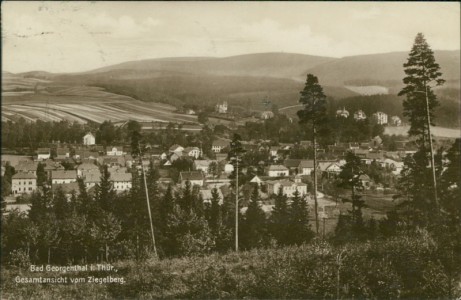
(230, 150)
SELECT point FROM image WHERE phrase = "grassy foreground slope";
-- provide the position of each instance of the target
(407, 266)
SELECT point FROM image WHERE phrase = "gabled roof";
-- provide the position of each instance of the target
(43, 151)
(306, 164)
(220, 143)
(291, 163)
(175, 146)
(277, 168)
(87, 166)
(192, 175)
(120, 177)
(67, 174)
(189, 149)
(203, 163)
(67, 188)
(27, 166)
(22, 175)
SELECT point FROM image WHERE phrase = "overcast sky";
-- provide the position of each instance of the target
(80, 36)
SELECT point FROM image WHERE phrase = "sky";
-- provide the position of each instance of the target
(81, 36)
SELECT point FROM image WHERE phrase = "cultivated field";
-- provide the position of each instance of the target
(82, 104)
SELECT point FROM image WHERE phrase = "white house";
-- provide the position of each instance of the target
(115, 151)
(343, 113)
(265, 115)
(221, 108)
(360, 115)
(43, 153)
(192, 151)
(396, 121)
(288, 187)
(277, 171)
(306, 167)
(23, 183)
(380, 118)
(203, 165)
(66, 176)
(256, 179)
(228, 168)
(176, 148)
(218, 145)
(194, 177)
(89, 139)
(121, 181)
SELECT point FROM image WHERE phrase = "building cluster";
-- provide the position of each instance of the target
(379, 117)
(64, 165)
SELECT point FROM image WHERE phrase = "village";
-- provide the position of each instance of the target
(279, 166)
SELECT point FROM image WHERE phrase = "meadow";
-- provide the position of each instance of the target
(405, 266)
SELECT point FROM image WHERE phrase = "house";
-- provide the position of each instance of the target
(176, 149)
(396, 121)
(221, 108)
(365, 181)
(86, 167)
(221, 156)
(376, 141)
(89, 139)
(288, 187)
(192, 151)
(81, 154)
(395, 166)
(359, 115)
(112, 161)
(62, 153)
(194, 177)
(277, 171)
(292, 165)
(218, 145)
(27, 167)
(175, 156)
(121, 181)
(256, 179)
(333, 168)
(50, 166)
(343, 113)
(67, 188)
(306, 167)
(23, 183)
(222, 180)
(265, 115)
(273, 151)
(43, 153)
(207, 195)
(63, 176)
(91, 178)
(203, 165)
(380, 118)
(228, 168)
(115, 151)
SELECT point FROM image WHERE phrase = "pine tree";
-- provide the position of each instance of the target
(280, 218)
(104, 192)
(299, 227)
(41, 175)
(313, 112)
(420, 101)
(254, 227)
